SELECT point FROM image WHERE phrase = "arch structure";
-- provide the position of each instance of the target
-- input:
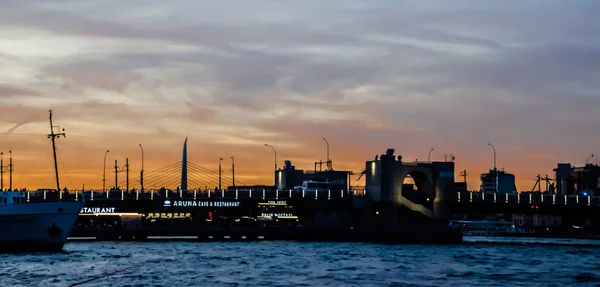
(434, 181)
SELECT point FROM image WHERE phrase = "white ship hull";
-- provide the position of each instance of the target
(36, 226)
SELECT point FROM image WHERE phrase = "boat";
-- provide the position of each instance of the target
(486, 228)
(36, 226)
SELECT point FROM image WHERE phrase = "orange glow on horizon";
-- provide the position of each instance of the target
(82, 166)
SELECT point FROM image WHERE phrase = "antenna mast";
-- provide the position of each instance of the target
(53, 136)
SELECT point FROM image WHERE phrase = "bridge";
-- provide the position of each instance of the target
(435, 197)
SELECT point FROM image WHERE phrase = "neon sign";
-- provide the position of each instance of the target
(95, 210)
(273, 202)
(195, 203)
(277, 214)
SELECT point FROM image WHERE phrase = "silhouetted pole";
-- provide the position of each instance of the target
(220, 159)
(104, 173)
(53, 136)
(429, 155)
(233, 172)
(1, 171)
(142, 171)
(10, 170)
(127, 174)
(495, 169)
(116, 174)
(275, 152)
(328, 161)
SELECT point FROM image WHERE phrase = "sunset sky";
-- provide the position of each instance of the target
(234, 75)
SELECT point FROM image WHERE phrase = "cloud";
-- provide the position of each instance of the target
(234, 75)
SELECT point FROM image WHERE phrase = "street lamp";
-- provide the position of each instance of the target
(274, 151)
(588, 159)
(429, 155)
(328, 161)
(142, 171)
(495, 169)
(10, 170)
(233, 171)
(104, 172)
(1, 171)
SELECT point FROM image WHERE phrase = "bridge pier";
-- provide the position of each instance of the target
(385, 181)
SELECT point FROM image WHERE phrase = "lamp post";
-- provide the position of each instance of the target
(233, 171)
(1, 171)
(429, 155)
(104, 172)
(588, 159)
(495, 169)
(10, 170)
(142, 171)
(275, 152)
(328, 160)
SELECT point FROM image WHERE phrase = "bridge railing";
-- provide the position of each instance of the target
(91, 195)
(528, 198)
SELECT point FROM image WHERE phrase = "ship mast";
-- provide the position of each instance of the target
(53, 136)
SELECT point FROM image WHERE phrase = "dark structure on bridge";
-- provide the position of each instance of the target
(571, 180)
(434, 181)
(289, 177)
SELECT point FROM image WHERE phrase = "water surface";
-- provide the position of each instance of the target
(304, 264)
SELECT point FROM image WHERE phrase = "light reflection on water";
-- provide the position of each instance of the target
(527, 263)
(532, 240)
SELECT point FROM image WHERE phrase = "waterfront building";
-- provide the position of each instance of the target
(289, 177)
(571, 180)
(506, 182)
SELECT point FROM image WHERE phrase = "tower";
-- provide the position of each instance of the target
(184, 167)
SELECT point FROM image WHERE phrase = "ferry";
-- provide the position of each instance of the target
(485, 228)
(36, 226)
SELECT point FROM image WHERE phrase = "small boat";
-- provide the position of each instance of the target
(485, 228)
(36, 226)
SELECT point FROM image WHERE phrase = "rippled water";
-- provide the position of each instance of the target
(303, 264)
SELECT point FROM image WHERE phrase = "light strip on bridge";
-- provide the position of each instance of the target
(279, 217)
(113, 214)
(266, 203)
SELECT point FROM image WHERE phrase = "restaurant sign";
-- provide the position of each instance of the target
(200, 203)
(96, 210)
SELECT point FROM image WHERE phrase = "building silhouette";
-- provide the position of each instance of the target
(506, 182)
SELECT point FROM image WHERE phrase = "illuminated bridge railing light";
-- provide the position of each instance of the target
(135, 194)
(527, 198)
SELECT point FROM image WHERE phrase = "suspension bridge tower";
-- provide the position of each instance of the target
(184, 163)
